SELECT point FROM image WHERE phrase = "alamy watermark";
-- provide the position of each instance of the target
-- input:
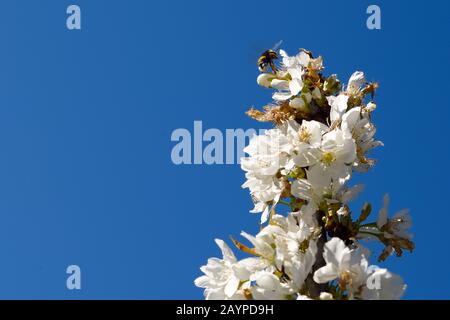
(373, 22)
(210, 146)
(73, 281)
(73, 21)
(373, 281)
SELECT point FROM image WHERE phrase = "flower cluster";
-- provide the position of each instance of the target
(323, 133)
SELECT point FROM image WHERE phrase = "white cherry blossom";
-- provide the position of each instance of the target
(223, 276)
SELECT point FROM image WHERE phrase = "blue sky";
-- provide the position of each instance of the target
(86, 116)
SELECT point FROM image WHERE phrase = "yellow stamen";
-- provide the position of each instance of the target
(328, 158)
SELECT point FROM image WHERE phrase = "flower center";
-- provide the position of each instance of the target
(304, 135)
(328, 158)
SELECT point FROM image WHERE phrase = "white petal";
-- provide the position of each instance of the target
(281, 96)
(350, 118)
(316, 129)
(202, 281)
(265, 79)
(356, 81)
(352, 193)
(228, 255)
(383, 213)
(307, 156)
(338, 106)
(325, 296)
(303, 58)
(280, 84)
(298, 103)
(232, 286)
(295, 85)
(325, 274)
(265, 215)
(268, 281)
(337, 253)
(214, 294)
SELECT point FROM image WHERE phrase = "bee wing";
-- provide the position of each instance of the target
(277, 45)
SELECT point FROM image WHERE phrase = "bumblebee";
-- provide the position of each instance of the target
(267, 59)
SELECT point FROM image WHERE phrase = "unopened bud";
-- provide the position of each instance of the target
(316, 93)
(307, 96)
(332, 84)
